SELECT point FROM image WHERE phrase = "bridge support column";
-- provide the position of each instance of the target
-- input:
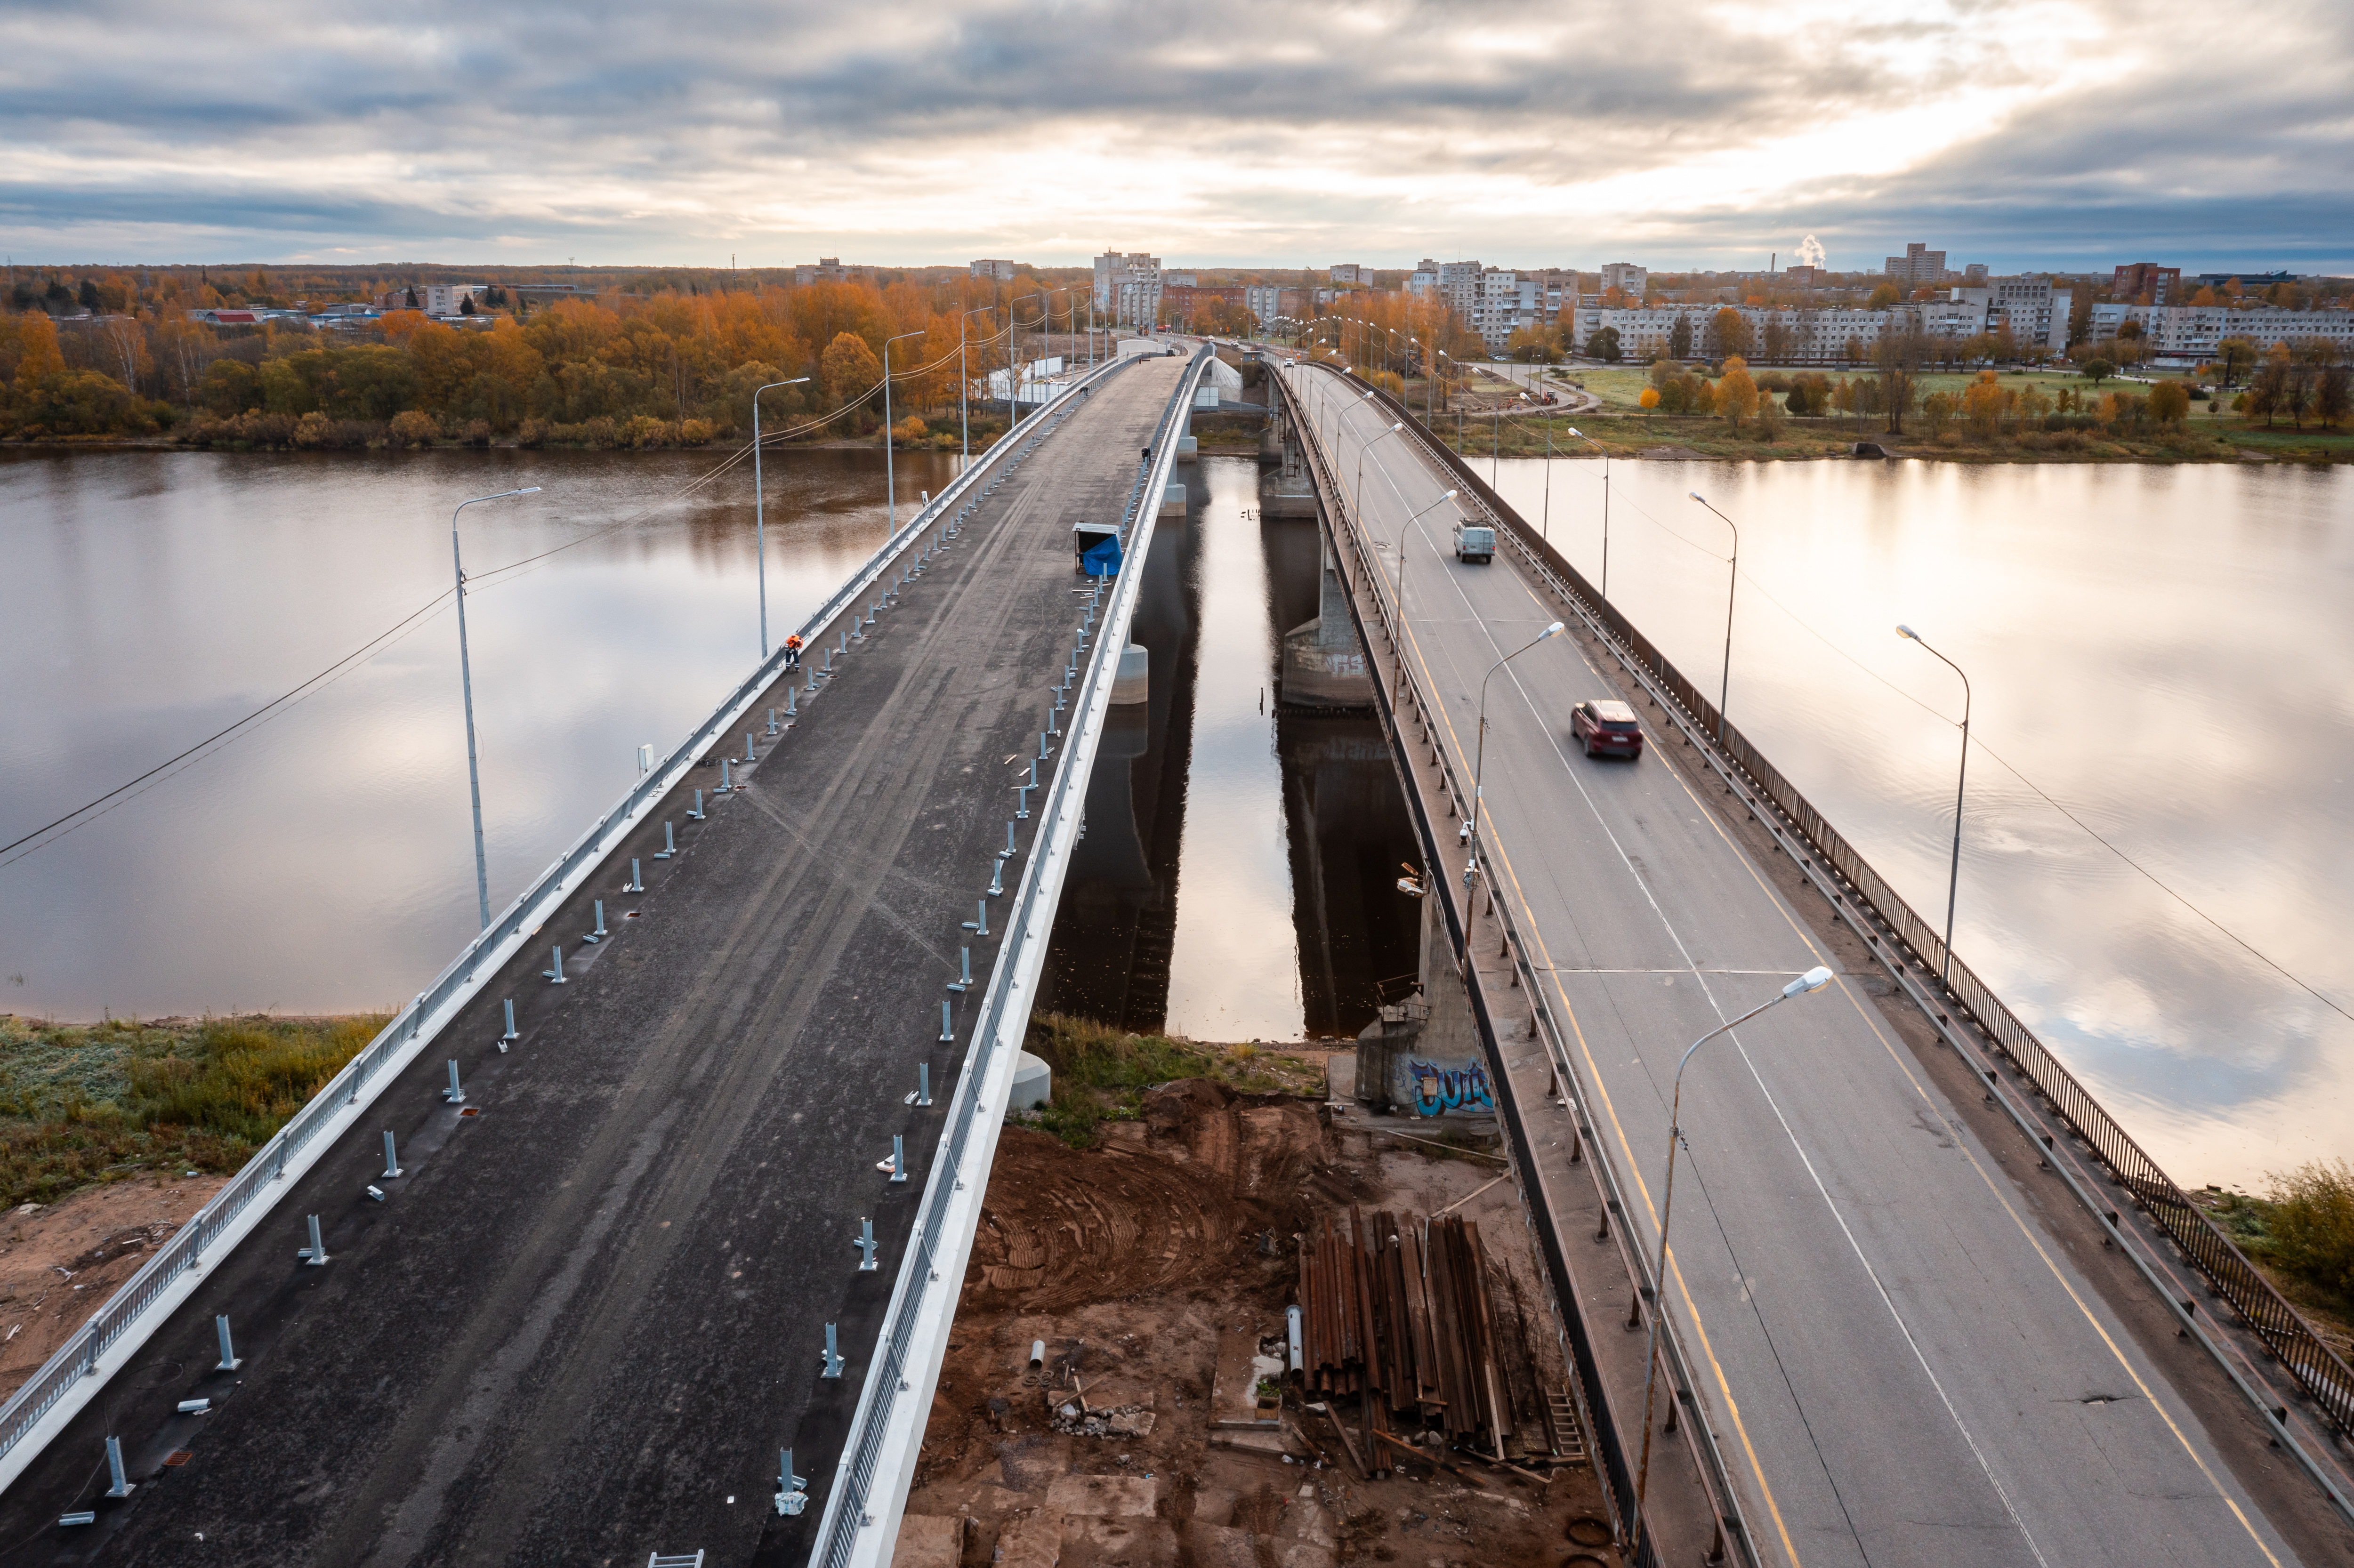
(1423, 1055)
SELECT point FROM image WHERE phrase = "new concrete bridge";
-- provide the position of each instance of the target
(1894, 1335)
(577, 1315)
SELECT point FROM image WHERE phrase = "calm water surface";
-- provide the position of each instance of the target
(2166, 653)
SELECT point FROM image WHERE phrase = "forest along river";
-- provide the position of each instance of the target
(2162, 650)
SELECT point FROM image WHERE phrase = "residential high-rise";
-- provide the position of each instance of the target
(1919, 264)
(1128, 286)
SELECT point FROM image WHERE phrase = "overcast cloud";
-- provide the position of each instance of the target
(1277, 132)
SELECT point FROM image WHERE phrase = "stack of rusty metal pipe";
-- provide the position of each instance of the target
(1397, 1309)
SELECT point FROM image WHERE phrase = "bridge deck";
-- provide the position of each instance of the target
(590, 1313)
(1902, 1366)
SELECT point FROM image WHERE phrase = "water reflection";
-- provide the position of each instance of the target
(324, 861)
(2164, 651)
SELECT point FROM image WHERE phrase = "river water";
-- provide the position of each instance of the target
(2164, 652)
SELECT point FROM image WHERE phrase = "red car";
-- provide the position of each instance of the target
(1606, 728)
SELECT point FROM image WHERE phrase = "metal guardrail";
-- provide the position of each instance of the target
(2324, 1376)
(846, 1506)
(126, 1316)
(1615, 1466)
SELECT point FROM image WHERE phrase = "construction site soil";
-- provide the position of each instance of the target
(1151, 1275)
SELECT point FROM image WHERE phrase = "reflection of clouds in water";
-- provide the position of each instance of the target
(323, 861)
(2162, 649)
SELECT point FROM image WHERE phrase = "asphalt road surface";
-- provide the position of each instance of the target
(591, 1309)
(1904, 1367)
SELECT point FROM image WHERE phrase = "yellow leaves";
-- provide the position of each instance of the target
(1650, 398)
(848, 368)
(37, 348)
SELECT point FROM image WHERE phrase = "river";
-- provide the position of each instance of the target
(2164, 652)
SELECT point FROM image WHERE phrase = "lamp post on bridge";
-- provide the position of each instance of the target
(1597, 446)
(759, 510)
(1479, 756)
(466, 684)
(889, 484)
(1961, 780)
(1814, 980)
(1357, 486)
(1731, 581)
(1397, 643)
(964, 380)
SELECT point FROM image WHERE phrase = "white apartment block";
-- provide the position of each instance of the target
(1504, 303)
(2194, 332)
(1348, 272)
(1625, 275)
(1001, 270)
(447, 299)
(1127, 287)
(1816, 336)
(1919, 264)
(1423, 277)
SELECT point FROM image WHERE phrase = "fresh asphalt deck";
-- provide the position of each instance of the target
(587, 1314)
(1902, 1367)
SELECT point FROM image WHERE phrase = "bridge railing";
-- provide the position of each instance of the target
(951, 1191)
(2324, 1376)
(42, 1403)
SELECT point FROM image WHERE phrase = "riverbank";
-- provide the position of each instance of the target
(86, 1104)
(1706, 437)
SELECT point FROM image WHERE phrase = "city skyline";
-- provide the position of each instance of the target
(2026, 134)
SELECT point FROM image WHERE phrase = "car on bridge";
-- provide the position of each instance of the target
(1475, 542)
(1606, 727)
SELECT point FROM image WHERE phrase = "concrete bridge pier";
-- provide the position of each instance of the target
(1423, 1055)
(1323, 665)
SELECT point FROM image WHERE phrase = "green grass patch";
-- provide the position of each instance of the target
(1101, 1073)
(85, 1104)
(2302, 1233)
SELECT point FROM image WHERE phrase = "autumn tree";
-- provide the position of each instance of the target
(1679, 338)
(1736, 393)
(1729, 334)
(1899, 356)
(2169, 403)
(848, 368)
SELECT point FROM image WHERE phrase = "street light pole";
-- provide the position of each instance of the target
(759, 510)
(1597, 446)
(1397, 644)
(466, 684)
(1961, 780)
(1731, 580)
(1479, 756)
(889, 484)
(1357, 486)
(1814, 980)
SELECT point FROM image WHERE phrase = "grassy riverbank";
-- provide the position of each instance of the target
(86, 1104)
(2301, 1233)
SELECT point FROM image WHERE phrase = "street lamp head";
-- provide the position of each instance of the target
(1398, 425)
(1553, 631)
(529, 490)
(1697, 496)
(1813, 979)
(1573, 431)
(1451, 495)
(1907, 632)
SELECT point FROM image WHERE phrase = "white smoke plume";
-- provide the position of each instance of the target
(1810, 251)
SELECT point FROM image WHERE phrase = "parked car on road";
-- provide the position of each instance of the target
(1606, 727)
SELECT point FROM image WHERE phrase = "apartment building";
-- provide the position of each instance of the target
(1350, 272)
(1626, 276)
(1423, 277)
(2192, 333)
(1002, 271)
(2139, 279)
(1128, 286)
(1919, 264)
(829, 269)
(1825, 337)
(2031, 304)
(1267, 301)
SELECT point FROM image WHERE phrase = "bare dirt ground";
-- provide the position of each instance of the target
(1156, 1268)
(57, 1263)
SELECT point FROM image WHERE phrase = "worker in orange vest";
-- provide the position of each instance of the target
(794, 650)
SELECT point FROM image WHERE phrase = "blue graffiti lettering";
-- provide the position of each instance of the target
(1438, 1090)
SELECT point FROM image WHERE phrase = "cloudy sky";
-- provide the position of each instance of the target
(1277, 132)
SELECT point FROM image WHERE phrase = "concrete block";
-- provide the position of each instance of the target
(1173, 501)
(1034, 1084)
(1133, 683)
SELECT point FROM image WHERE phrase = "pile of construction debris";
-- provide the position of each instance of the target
(1400, 1310)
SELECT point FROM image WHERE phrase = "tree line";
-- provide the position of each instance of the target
(670, 367)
